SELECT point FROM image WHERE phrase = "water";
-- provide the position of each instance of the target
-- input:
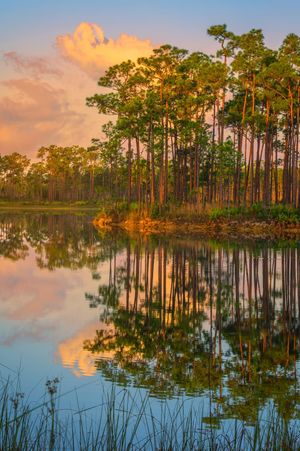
(215, 324)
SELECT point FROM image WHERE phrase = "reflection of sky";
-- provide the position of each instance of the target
(38, 310)
(44, 318)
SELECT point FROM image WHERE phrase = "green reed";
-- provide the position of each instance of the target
(123, 421)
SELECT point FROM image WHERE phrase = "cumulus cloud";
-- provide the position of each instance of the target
(89, 49)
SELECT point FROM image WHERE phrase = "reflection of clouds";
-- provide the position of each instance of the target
(41, 305)
(80, 361)
(34, 332)
(27, 294)
(73, 356)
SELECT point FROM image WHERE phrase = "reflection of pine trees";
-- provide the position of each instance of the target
(12, 238)
(199, 316)
(176, 316)
(59, 241)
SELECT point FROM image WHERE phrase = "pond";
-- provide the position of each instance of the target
(212, 324)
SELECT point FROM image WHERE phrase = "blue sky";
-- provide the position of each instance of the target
(32, 25)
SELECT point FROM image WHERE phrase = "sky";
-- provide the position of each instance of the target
(53, 52)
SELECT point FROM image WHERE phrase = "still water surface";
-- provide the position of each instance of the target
(216, 323)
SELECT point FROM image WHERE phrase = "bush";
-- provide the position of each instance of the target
(154, 212)
(281, 213)
(134, 207)
(231, 212)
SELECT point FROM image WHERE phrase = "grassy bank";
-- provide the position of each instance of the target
(55, 206)
(122, 421)
(278, 221)
(257, 221)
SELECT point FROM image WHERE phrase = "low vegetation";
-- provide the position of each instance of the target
(275, 215)
(123, 421)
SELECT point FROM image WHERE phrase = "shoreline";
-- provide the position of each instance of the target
(47, 207)
(240, 227)
(225, 228)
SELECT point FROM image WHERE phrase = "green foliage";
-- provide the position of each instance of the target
(232, 212)
(281, 213)
(133, 207)
(276, 213)
(154, 212)
(284, 213)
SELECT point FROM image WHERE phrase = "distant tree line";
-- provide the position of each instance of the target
(185, 127)
(60, 174)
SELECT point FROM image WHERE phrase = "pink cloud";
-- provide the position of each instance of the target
(47, 105)
(35, 295)
(32, 101)
(36, 66)
(34, 113)
(40, 304)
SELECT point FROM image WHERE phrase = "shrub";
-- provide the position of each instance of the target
(154, 212)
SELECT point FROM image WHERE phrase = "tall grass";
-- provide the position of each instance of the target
(123, 421)
(276, 213)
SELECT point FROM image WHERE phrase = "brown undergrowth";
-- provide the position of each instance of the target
(219, 228)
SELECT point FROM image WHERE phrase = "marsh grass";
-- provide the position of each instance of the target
(123, 421)
(191, 213)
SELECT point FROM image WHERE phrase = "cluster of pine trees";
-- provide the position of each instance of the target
(186, 127)
(60, 174)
